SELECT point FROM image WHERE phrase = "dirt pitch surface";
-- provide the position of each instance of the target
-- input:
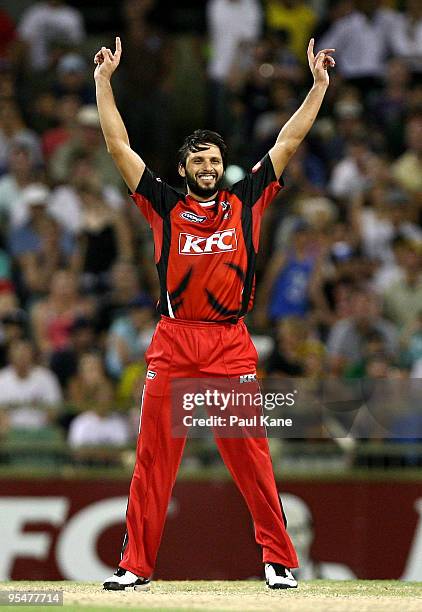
(311, 596)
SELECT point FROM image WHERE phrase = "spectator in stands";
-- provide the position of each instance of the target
(388, 106)
(409, 36)
(46, 23)
(66, 110)
(307, 171)
(267, 125)
(13, 327)
(403, 298)
(105, 238)
(72, 79)
(90, 385)
(363, 39)
(130, 335)
(52, 317)
(96, 425)
(243, 19)
(286, 358)
(88, 141)
(83, 338)
(30, 393)
(21, 173)
(39, 246)
(373, 348)
(333, 134)
(42, 112)
(65, 203)
(387, 216)
(13, 130)
(288, 280)
(350, 175)
(407, 169)
(346, 340)
(412, 344)
(99, 427)
(295, 17)
(124, 287)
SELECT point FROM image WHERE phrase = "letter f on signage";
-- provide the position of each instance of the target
(15, 513)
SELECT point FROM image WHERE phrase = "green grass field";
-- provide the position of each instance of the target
(247, 596)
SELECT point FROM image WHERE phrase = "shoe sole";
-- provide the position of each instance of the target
(115, 586)
(281, 586)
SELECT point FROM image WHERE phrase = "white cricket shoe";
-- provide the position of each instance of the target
(123, 580)
(279, 577)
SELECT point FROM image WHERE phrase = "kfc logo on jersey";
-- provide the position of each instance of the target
(220, 242)
(190, 216)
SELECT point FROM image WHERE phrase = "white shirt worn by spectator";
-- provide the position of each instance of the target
(39, 387)
(409, 41)
(66, 206)
(230, 22)
(12, 202)
(44, 23)
(385, 276)
(377, 234)
(346, 179)
(92, 429)
(362, 44)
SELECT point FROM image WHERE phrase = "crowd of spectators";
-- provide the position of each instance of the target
(339, 275)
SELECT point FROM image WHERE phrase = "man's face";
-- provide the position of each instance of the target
(203, 172)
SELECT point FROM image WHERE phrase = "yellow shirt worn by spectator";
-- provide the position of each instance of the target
(402, 303)
(296, 18)
(407, 170)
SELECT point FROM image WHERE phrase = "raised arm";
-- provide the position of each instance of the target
(295, 130)
(129, 164)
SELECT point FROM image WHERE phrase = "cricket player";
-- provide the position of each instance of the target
(205, 250)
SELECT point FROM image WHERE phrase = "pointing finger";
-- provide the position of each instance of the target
(118, 46)
(311, 48)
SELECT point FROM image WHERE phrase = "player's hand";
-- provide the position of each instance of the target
(106, 61)
(320, 63)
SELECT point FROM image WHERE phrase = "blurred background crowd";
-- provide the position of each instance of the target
(339, 275)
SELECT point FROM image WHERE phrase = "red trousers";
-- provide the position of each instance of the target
(191, 349)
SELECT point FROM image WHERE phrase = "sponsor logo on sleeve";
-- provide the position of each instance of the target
(151, 374)
(219, 242)
(190, 216)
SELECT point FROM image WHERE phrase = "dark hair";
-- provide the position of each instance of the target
(198, 141)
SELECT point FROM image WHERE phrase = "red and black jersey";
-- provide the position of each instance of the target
(205, 253)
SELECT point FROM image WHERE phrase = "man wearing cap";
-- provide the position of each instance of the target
(71, 79)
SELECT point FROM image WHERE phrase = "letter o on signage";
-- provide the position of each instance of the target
(77, 545)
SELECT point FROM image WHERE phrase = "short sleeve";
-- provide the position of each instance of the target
(260, 186)
(154, 197)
